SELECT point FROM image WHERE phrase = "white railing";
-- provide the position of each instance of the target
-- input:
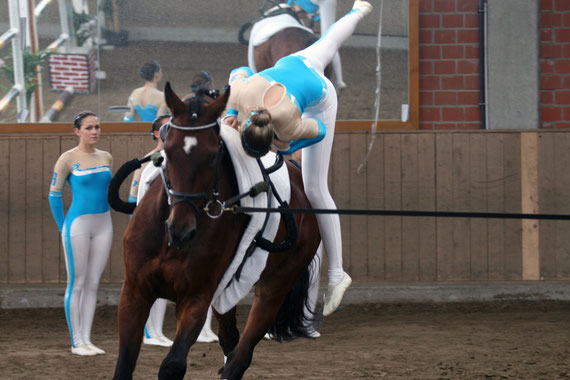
(14, 34)
(23, 35)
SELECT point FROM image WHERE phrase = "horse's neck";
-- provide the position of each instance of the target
(229, 173)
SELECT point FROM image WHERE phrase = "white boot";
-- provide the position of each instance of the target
(97, 350)
(335, 294)
(312, 332)
(83, 350)
(207, 336)
(363, 6)
(158, 341)
(166, 342)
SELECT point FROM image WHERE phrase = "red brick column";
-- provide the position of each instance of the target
(555, 63)
(449, 64)
(75, 70)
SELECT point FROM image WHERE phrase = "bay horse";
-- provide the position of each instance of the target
(173, 249)
(288, 34)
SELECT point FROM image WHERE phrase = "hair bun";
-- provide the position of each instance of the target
(257, 133)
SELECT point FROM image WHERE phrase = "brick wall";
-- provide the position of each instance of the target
(449, 64)
(555, 63)
(75, 70)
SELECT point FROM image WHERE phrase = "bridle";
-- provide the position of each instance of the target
(214, 207)
(176, 197)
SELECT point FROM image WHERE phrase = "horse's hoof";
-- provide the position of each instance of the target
(335, 294)
(83, 350)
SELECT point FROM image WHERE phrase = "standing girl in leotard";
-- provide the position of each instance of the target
(86, 229)
(147, 101)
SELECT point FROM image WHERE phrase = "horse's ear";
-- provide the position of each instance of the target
(218, 105)
(173, 102)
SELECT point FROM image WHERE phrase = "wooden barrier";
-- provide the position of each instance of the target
(480, 171)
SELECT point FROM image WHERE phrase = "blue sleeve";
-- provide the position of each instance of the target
(56, 205)
(128, 118)
(246, 71)
(303, 143)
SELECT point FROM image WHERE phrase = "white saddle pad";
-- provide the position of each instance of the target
(230, 291)
(265, 28)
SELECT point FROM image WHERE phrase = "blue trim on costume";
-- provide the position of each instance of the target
(305, 86)
(89, 192)
(307, 5)
(147, 113)
(70, 277)
(56, 205)
(303, 143)
(132, 199)
(89, 196)
(234, 73)
(232, 112)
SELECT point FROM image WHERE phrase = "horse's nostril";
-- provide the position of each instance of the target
(192, 234)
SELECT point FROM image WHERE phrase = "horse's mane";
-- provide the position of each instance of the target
(197, 99)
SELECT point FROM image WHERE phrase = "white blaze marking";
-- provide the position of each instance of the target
(189, 142)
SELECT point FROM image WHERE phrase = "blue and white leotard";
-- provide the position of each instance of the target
(151, 98)
(309, 95)
(86, 232)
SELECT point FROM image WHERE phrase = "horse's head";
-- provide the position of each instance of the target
(192, 149)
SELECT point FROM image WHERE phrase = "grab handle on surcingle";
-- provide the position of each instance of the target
(291, 233)
(254, 191)
(278, 163)
(113, 197)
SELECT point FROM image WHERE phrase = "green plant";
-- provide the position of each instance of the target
(82, 33)
(30, 61)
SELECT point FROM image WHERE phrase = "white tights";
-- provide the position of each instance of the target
(87, 246)
(153, 326)
(316, 158)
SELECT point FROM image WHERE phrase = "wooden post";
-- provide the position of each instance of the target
(530, 205)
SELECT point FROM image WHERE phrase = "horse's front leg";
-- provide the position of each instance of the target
(133, 312)
(191, 317)
(228, 332)
(260, 319)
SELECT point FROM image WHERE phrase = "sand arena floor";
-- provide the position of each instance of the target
(501, 340)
